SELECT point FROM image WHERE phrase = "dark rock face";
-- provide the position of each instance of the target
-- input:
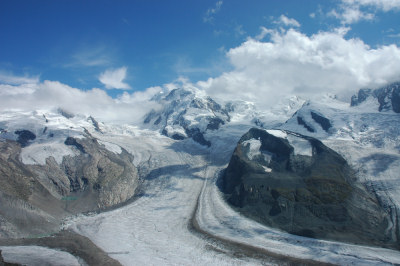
(313, 196)
(396, 99)
(215, 123)
(362, 95)
(72, 142)
(301, 121)
(24, 136)
(387, 96)
(323, 121)
(197, 136)
(95, 124)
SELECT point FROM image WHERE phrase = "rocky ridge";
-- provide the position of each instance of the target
(297, 184)
(48, 172)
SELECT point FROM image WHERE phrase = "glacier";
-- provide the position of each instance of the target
(179, 216)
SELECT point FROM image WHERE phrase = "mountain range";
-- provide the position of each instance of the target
(322, 172)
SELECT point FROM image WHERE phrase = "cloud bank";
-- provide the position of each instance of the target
(291, 62)
(288, 62)
(50, 95)
(114, 79)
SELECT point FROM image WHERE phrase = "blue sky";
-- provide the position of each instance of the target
(120, 46)
(74, 41)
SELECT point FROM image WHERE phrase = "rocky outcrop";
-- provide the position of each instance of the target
(96, 124)
(321, 120)
(34, 198)
(388, 97)
(301, 122)
(24, 136)
(297, 184)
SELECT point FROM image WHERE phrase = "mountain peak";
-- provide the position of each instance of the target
(187, 113)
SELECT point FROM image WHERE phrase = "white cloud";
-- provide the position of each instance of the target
(352, 11)
(294, 63)
(239, 31)
(16, 85)
(351, 14)
(264, 32)
(90, 56)
(384, 5)
(51, 95)
(210, 13)
(9, 78)
(289, 22)
(113, 79)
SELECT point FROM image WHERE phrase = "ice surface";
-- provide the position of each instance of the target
(267, 170)
(111, 147)
(38, 256)
(37, 153)
(301, 146)
(254, 148)
(153, 230)
(175, 130)
(277, 133)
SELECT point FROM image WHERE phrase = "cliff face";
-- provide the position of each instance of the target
(388, 97)
(297, 184)
(34, 198)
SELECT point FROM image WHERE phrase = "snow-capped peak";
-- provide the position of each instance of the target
(187, 112)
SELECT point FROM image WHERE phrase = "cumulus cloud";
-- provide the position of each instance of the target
(291, 62)
(285, 21)
(349, 14)
(352, 11)
(114, 79)
(50, 95)
(209, 15)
